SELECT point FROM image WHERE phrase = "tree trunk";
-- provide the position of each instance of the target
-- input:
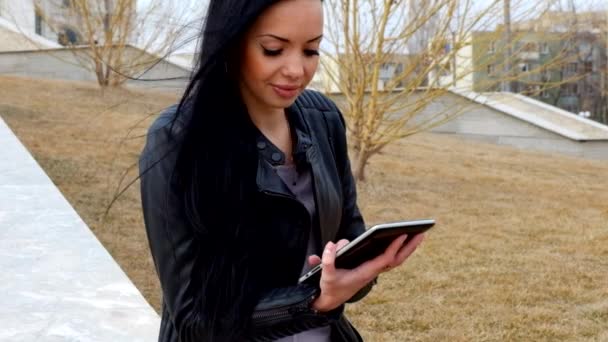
(360, 164)
(99, 72)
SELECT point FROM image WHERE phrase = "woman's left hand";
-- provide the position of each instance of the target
(339, 285)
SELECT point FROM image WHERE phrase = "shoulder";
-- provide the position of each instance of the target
(168, 122)
(312, 99)
(164, 134)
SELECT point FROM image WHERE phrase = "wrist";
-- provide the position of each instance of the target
(321, 305)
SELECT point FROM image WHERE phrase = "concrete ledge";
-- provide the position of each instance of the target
(58, 282)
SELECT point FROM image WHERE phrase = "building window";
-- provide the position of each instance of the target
(571, 68)
(588, 67)
(530, 47)
(525, 67)
(492, 47)
(544, 48)
(544, 93)
(545, 75)
(491, 69)
(38, 24)
(570, 89)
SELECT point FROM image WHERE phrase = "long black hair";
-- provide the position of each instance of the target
(216, 168)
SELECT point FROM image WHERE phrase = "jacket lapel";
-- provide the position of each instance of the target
(326, 183)
(268, 181)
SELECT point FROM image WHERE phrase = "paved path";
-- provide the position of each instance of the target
(58, 283)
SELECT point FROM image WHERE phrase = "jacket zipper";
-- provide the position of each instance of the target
(285, 312)
(290, 198)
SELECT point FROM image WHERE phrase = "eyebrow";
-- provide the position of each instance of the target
(287, 40)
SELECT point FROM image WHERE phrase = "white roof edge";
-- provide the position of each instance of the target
(481, 99)
(562, 112)
(34, 38)
(179, 62)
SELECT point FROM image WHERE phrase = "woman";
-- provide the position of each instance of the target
(247, 179)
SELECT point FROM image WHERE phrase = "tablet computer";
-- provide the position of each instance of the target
(371, 244)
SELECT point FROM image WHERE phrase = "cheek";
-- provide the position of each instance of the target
(255, 66)
(310, 67)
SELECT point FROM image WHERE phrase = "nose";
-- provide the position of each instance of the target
(294, 67)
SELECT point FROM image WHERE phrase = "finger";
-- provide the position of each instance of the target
(328, 260)
(392, 249)
(409, 248)
(341, 244)
(314, 260)
(379, 263)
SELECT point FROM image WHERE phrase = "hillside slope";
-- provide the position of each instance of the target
(520, 251)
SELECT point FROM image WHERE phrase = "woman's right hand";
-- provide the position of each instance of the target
(339, 285)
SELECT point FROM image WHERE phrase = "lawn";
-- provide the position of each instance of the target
(520, 252)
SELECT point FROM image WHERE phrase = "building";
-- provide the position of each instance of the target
(60, 21)
(47, 40)
(559, 21)
(560, 62)
(394, 72)
(19, 13)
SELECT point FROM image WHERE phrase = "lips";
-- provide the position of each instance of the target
(286, 91)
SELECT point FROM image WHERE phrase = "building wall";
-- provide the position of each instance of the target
(12, 41)
(20, 13)
(322, 80)
(465, 69)
(458, 70)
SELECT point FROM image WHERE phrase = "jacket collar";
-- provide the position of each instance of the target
(270, 155)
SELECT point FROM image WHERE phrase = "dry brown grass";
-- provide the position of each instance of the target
(520, 251)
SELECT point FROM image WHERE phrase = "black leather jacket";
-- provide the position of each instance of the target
(321, 140)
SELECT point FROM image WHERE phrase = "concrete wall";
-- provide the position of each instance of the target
(474, 121)
(58, 282)
(63, 64)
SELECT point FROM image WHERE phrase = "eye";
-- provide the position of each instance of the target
(311, 53)
(271, 53)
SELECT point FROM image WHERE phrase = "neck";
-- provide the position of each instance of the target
(266, 119)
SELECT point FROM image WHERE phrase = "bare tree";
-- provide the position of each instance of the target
(116, 39)
(387, 87)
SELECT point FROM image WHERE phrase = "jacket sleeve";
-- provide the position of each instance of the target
(352, 224)
(174, 250)
(171, 239)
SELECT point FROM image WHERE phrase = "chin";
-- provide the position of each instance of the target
(281, 102)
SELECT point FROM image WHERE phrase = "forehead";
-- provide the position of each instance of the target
(291, 19)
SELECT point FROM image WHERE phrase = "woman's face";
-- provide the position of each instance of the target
(281, 54)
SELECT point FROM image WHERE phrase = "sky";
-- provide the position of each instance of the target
(521, 9)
